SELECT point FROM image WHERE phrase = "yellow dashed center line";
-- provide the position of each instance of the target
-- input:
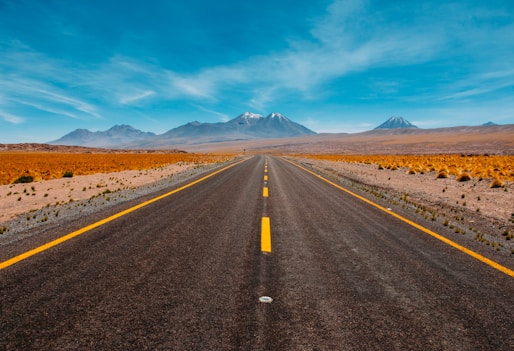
(265, 224)
(265, 235)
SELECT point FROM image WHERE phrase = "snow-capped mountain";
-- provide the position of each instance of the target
(244, 127)
(275, 125)
(396, 122)
(248, 117)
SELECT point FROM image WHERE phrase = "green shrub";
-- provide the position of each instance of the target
(67, 174)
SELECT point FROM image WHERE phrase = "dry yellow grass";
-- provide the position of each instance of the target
(45, 166)
(496, 183)
(476, 166)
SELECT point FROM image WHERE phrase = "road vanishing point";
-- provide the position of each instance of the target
(260, 255)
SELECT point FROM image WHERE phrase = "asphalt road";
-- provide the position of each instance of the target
(186, 273)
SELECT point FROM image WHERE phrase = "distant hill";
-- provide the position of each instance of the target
(113, 137)
(489, 124)
(396, 123)
(477, 140)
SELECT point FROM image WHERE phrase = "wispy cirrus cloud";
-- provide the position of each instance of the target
(45, 108)
(130, 99)
(480, 83)
(74, 103)
(42, 83)
(47, 98)
(335, 50)
(350, 52)
(222, 116)
(346, 40)
(11, 118)
(350, 39)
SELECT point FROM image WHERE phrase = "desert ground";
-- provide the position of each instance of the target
(17, 199)
(471, 208)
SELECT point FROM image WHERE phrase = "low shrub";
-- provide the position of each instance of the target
(24, 179)
(463, 177)
(442, 174)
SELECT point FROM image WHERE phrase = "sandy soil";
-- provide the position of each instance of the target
(473, 207)
(16, 199)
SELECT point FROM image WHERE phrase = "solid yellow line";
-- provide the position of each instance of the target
(265, 191)
(265, 235)
(78, 232)
(453, 244)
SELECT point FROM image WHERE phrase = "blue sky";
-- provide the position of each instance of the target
(334, 66)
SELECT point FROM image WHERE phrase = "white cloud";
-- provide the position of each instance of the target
(191, 86)
(129, 99)
(11, 118)
(479, 84)
(71, 102)
(34, 80)
(262, 96)
(345, 40)
(222, 116)
(46, 108)
(335, 50)
(352, 36)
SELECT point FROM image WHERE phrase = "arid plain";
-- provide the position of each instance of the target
(402, 167)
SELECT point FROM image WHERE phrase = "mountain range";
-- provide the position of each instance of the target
(247, 126)
(113, 137)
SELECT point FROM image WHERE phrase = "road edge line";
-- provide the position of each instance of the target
(62, 239)
(445, 240)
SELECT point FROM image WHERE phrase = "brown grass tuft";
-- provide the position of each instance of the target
(442, 174)
(496, 183)
(463, 177)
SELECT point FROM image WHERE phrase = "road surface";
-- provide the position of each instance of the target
(187, 272)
